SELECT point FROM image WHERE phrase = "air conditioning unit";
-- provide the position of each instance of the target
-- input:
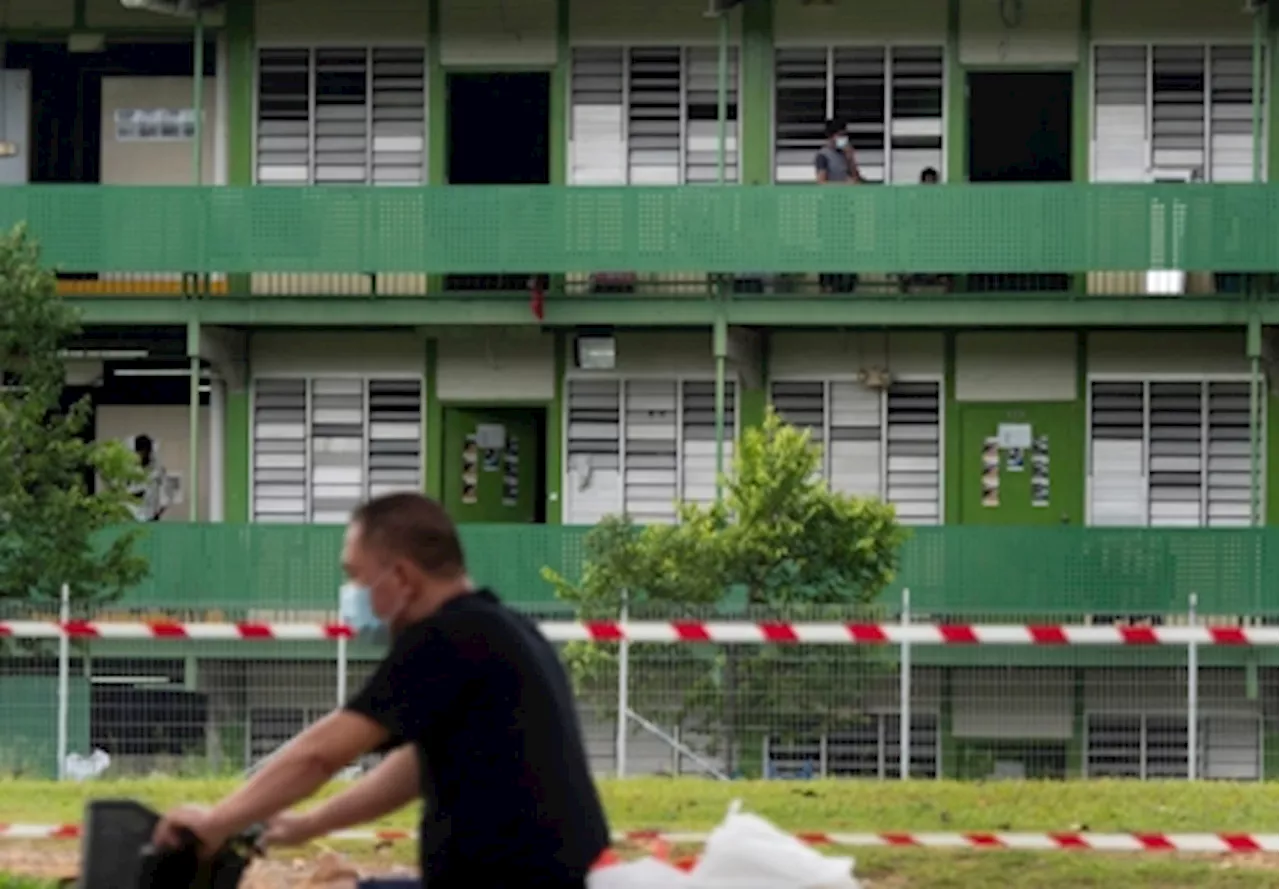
(172, 7)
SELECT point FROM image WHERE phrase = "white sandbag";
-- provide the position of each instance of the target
(747, 852)
(648, 873)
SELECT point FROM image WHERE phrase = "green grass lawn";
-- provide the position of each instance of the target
(698, 805)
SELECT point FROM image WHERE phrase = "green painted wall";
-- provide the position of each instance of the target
(1273, 462)
(1060, 422)
(475, 481)
(756, 104)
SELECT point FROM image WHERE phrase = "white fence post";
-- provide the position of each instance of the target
(624, 695)
(1193, 693)
(64, 681)
(904, 695)
(341, 667)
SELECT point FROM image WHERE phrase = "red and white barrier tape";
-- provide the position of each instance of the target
(1098, 842)
(740, 632)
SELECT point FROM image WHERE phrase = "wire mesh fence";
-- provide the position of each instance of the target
(967, 709)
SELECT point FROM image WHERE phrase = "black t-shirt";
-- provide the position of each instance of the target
(508, 796)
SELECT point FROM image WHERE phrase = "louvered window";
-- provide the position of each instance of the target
(1169, 453)
(593, 451)
(701, 116)
(284, 116)
(650, 448)
(323, 445)
(342, 116)
(1154, 746)
(649, 116)
(874, 443)
(641, 446)
(868, 750)
(598, 144)
(698, 438)
(280, 451)
(1172, 108)
(395, 436)
(891, 99)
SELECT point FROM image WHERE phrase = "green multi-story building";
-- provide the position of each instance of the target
(477, 247)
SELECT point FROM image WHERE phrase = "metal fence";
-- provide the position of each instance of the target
(871, 696)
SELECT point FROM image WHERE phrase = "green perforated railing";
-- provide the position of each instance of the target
(949, 570)
(1050, 228)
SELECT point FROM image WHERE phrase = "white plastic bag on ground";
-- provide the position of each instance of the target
(648, 873)
(747, 852)
(84, 768)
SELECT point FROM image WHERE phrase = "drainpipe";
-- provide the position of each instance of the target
(719, 333)
(193, 331)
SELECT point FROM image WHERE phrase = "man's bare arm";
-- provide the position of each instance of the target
(390, 786)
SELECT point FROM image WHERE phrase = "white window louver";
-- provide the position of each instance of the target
(1120, 132)
(698, 438)
(342, 116)
(337, 449)
(874, 443)
(650, 449)
(593, 451)
(1183, 108)
(701, 116)
(654, 116)
(641, 446)
(914, 447)
(1117, 450)
(323, 445)
(598, 141)
(284, 116)
(649, 116)
(395, 436)
(891, 99)
(1177, 107)
(1175, 455)
(280, 451)
(1169, 453)
(1231, 113)
(399, 124)
(1228, 480)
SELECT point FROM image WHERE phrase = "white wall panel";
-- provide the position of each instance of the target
(1174, 20)
(113, 14)
(799, 23)
(1016, 367)
(1121, 690)
(336, 354)
(170, 428)
(674, 354)
(155, 162)
(1016, 704)
(832, 355)
(640, 22)
(480, 33)
(495, 367)
(1034, 33)
(303, 22)
(1143, 353)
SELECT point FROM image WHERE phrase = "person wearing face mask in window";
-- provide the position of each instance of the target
(472, 707)
(835, 164)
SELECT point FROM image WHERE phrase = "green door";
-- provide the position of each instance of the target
(491, 464)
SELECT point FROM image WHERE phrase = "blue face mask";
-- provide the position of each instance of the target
(355, 609)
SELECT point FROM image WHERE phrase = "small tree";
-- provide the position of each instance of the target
(49, 521)
(788, 546)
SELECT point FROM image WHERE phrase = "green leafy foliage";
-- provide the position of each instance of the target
(50, 522)
(780, 545)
